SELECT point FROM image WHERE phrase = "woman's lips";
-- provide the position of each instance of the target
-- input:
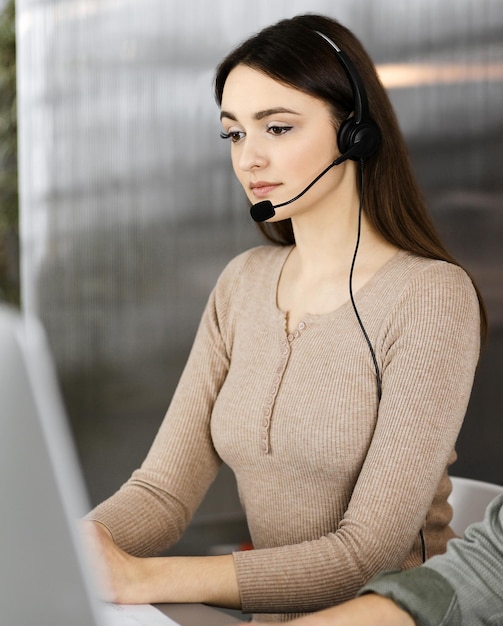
(261, 189)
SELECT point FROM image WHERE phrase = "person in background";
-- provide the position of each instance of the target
(463, 587)
(332, 367)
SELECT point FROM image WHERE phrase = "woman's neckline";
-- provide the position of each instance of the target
(318, 317)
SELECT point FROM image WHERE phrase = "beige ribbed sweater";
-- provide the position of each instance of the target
(335, 487)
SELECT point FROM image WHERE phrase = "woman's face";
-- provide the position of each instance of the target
(281, 139)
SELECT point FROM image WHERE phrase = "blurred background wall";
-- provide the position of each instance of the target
(129, 208)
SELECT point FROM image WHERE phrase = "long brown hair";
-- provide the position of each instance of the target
(292, 53)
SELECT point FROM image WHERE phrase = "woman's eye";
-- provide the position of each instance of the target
(233, 135)
(278, 130)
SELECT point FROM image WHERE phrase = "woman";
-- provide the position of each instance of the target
(334, 384)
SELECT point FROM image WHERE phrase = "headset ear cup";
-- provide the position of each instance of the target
(362, 139)
(344, 135)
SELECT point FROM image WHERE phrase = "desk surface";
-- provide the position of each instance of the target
(196, 615)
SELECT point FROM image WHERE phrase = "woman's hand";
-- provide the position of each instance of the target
(126, 579)
(120, 575)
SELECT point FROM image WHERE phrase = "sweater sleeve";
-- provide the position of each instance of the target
(428, 350)
(162, 495)
(459, 588)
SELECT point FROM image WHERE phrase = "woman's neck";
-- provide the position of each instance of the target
(315, 277)
(325, 245)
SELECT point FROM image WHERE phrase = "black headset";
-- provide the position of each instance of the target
(358, 136)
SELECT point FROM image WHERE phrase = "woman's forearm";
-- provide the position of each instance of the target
(206, 579)
(127, 579)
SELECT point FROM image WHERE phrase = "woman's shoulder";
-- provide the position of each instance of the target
(258, 264)
(417, 286)
(430, 301)
(408, 271)
(413, 270)
(414, 286)
(248, 278)
(260, 254)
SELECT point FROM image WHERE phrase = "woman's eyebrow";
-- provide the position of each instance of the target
(268, 112)
(260, 114)
(228, 115)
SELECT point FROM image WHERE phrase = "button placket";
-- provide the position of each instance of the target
(273, 389)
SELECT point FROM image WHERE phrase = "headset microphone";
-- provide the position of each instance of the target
(264, 210)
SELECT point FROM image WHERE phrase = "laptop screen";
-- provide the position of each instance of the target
(44, 574)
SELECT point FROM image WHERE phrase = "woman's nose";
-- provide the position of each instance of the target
(251, 155)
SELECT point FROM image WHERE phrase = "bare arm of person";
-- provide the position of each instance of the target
(127, 579)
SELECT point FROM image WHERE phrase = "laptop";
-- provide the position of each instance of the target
(45, 577)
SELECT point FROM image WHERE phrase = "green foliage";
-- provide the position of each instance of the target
(9, 199)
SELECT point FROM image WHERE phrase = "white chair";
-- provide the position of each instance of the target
(469, 499)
